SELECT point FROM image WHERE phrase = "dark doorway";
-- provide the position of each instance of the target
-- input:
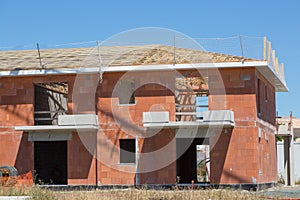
(50, 162)
(187, 162)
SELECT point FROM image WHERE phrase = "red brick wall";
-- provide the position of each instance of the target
(81, 161)
(239, 156)
(267, 161)
(16, 97)
(158, 159)
(110, 171)
(265, 94)
(16, 109)
(125, 121)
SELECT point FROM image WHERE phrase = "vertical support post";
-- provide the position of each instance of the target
(292, 172)
(242, 48)
(265, 48)
(289, 156)
(269, 51)
(96, 160)
(174, 62)
(137, 157)
(273, 58)
(282, 71)
(291, 150)
(286, 146)
(276, 65)
(100, 63)
(288, 160)
(39, 53)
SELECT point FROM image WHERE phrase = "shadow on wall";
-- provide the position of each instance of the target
(24, 159)
(218, 156)
(157, 162)
(79, 158)
(221, 171)
(19, 113)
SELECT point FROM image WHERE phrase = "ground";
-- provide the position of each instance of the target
(282, 192)
(279, 192)
(37, 192)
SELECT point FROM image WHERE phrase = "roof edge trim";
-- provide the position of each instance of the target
(38, 72)
(262, 66)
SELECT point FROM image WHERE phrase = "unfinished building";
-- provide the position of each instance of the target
(208, 118)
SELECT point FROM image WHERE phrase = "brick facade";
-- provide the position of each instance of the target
(247, 153)
(243, 154)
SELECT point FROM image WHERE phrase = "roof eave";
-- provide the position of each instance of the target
(262, 66)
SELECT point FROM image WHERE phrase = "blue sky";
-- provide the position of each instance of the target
(56, 22)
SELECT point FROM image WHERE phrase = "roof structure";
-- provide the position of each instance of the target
(127, 58)
(108, 56)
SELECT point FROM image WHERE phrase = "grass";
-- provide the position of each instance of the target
(157, 194)
(35, 192)
(44, 194)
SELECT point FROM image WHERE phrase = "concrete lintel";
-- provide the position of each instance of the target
(189, 125)
(211, 119)
(51, 136)
(56, 128)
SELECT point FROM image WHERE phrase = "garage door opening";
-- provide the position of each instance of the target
(50, 162)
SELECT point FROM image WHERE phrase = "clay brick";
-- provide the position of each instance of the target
(239, 98)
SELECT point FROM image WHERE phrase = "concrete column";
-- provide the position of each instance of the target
(289, 159)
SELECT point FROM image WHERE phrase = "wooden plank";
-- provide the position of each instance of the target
(276, 65)
(265, 48)
(269, 51)
(48, 112)
(273, 58)
(188, 113)
(192, 90)
(282, 71)
(44, 118)
(192, 105)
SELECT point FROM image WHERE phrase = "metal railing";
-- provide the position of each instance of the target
(47, 117)
(190, 114)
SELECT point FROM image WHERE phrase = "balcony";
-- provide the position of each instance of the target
(66, 124)
(208, 119)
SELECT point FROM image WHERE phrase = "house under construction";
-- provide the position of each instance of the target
(146, 116)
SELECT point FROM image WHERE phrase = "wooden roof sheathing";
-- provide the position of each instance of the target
(110, 56)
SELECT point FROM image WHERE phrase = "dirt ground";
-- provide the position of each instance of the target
(281, 192)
